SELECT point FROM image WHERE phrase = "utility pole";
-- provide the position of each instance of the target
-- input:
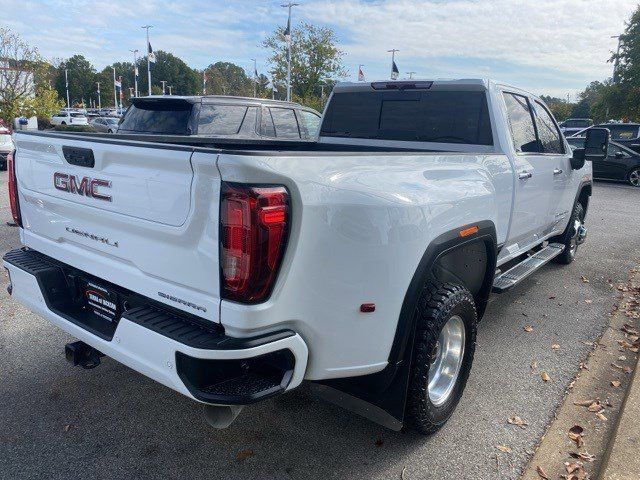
(169, 87)
(147, 27)
(255, 78)
(66, 85)
(135, 72)
(163, 82)
(287, 36)
(99, 101)
(115, 95)
(411, 74)
(393, 59)
(617, 62)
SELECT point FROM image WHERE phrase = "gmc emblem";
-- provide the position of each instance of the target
(87, 187)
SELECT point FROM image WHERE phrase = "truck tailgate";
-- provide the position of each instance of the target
(140, 215)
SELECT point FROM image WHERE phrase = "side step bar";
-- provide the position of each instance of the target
(522, 270)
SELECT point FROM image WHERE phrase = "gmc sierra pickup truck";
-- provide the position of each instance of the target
(231, 271)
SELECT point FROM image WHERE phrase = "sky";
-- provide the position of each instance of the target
(551, 47)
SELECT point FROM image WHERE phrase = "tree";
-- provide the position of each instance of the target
(627, 87)
(314, 58)
(124, 70)
(24, 87)
(183, 79)
(561, 109)
(81, 75)
(225, 78)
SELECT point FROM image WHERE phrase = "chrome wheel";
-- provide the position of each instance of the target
(446, 360)
(634, 178)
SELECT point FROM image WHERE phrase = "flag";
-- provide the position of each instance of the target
(152, 56)
(255, 72)
(287, 31)
(118, 83)
(394, 71)
(360, 74)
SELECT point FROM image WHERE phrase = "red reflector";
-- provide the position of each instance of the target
(253, 234)
(13, 189)
(368, 307)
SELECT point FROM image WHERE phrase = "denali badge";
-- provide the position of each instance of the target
(97, 238)
(85, 186)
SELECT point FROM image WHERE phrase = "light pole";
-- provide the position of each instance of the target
(616, 63)
(115, 96)
(99, 101)
(163, 82)
(287, 36)
(169, 87)
(393, 59)
(147, 27)
(135, 72)
(66, 85)
(255, 78)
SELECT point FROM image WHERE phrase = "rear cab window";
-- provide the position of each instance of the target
(439, 116)
(286, 125)
(166, 117)
(221, 119)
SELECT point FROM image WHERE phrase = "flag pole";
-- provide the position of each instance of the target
(288, 38)
(255, 78)
(66, 86)
(147, 27)
(99, 100)
(115, 101)
(393, 59)
(135, 72)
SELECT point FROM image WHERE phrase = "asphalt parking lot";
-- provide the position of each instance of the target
(62, 422)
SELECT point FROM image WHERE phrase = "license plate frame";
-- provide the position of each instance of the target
(102, 301)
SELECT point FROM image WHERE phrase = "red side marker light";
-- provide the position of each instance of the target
(469, 231)
(368, 307)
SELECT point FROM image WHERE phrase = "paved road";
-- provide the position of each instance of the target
(123, 425)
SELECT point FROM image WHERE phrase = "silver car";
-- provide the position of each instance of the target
(105, 124)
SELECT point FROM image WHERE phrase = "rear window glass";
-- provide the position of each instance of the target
(285, 122)
(623, 132)
(429, 116)
(169, 118)
(221, 119)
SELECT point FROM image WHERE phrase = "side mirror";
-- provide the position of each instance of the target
(596, 144)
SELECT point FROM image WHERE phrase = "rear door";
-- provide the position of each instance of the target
(139, 215)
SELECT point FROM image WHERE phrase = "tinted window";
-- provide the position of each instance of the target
(576, 123)
(249, 124)
(266, 125)
(221, 119)
(310, 122)
(285, 122)
(427, 116)
(521, 125)
(623, 132)
(162, 117)
(548, 133)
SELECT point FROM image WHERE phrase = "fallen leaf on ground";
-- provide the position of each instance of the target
(244, 454)
(575, 434)
(576, 470)
(584, 279)
(615, 383)
(528, 328)
(601, 416)
(404, 470)
(585, 403)
(517, 421)
(555, 346)
(541, 473)
(586, 456)
(545, 376)
(595, 407)
(588, 301)
(68, 427)
(534, 366)
(503, 448)
(583, 366)
(552, 297)
(628, 329)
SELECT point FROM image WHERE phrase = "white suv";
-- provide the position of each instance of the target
(69, 118)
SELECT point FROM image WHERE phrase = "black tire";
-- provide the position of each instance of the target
(634, 177)
(570, 245)
(437, 304)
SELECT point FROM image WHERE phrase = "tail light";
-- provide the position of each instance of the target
(13, 189)
(253, 234)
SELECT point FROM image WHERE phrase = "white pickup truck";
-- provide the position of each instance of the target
(232, 271)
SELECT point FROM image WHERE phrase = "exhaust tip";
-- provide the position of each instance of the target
(221, 416)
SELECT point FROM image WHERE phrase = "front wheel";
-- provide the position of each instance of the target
(574, 236)
(634, 177)
(443, 353)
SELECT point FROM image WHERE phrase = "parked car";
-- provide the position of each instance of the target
(69, 118)
(105, 124)
(626, 134)
(361, 262)
(6, 146)
(222, 117)
(621, 164)
(574, 125)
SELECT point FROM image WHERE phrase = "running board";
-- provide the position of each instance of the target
(522, 270)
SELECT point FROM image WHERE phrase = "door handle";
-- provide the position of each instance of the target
(525, 175)
(557, 171)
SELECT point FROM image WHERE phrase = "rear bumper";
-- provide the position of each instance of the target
(199, 362)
